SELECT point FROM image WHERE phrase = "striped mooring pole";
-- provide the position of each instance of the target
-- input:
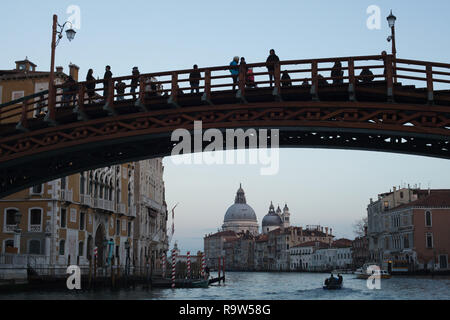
(164, 265)
(189, 264)
(203, 265)
(173, 268)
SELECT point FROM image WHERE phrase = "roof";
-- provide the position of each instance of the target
(15, 74)
(227, 233)
(342, 243)
(436, 199)
(262, 238)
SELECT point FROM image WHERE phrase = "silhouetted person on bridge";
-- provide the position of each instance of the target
(366, 76)
(336, 72)
(234, 70)
(194, 79)
(120, 88)
(321, 80)
(286, 79)
(135, 81)
(250, 79)
(270, 63)
(106, 78)
(70, 88)
(90, 86)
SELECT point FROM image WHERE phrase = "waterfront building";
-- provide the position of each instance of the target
(240, 217)
(214, 246)
(62, 221)
(413, 235)
(301, 255)
(337, 256)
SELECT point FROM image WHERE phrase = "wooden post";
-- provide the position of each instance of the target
(207, 94)
(110, 98)
(315, 81)
(430, 88)
(90, 273)
(174, 92)
(277, 76)
(218, 268)
(51, 116)
(351, 80)
(112, 272)
(242, 76)
(389, 78)
(223, 269)
(24, 117)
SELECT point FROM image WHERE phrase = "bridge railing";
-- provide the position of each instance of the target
(169, 86)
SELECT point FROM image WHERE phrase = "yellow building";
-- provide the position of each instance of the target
(24, 80)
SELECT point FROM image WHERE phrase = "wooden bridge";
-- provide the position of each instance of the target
(404, 107)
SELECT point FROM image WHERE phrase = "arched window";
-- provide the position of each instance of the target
(428, 221)
(62, 245)
(81, 249)
(34, 247)
(10, 219)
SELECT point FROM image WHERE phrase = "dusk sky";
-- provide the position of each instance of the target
(327, 187)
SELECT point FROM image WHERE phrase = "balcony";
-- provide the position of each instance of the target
(35, 228)
(132, 211)
(66, 195)
(10, 227)
(108, 205)
(121, 208)
(86, 200)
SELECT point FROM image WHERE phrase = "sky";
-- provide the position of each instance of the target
(321, 186)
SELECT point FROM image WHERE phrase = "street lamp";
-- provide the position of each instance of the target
(391, 22)
(56, 32)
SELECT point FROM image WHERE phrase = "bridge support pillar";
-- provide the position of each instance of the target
(241, 96)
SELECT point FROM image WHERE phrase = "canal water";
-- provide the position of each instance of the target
(269, 286)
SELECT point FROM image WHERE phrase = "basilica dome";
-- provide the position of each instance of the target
(272, 219)
(240, 217)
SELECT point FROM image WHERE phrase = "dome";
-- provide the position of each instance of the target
(272, 219)
(240, 210)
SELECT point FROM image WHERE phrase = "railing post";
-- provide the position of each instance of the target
(430, 87)
(315, 81)
(173, 100)
(277, 80)
(242, 74)
(23, 123)
(50, 117)
(351, 80)
(140, 102)
(389, 77)
(109, 106)
(207, 94)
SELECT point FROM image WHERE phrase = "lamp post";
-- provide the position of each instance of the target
(391, 22)
(17, 218)
(57, 35)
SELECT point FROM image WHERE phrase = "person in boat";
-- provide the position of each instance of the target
(207, 272)
(340, 279)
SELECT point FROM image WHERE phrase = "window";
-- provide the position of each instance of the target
(73, 215)
(443, 261)
(11, 216)
(429, 240)
(129, 229)
(35, 216)
(401, 194)
(117, 227)
(17, 95)
(9, 244)
(82, 220)
(406, 242)
(117, 251)
(81, 249)
(82, 182)
(62, 245)
(37, 189)
(63, 220)
(428, 219)
(34, 247)
(63, 183)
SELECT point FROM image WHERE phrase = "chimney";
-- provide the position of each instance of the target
(74, 69)
(331, 231)
(326, 231)
(59, 69)
(301, 231)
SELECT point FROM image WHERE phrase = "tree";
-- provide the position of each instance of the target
(359, 227)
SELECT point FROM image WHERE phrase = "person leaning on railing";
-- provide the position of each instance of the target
(337, 73)
(135, 81)
(234, 70)
(90, 85)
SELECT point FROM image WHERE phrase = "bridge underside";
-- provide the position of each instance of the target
(134, 132)
(42, 167)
